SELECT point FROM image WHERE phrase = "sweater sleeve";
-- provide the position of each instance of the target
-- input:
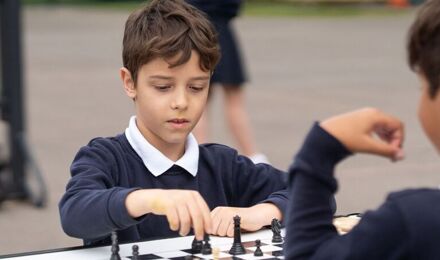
(310, 231)
(93, 205)
(258, 183)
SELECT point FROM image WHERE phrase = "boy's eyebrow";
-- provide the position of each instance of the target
(201, 78)
(170, 78)
(160, 77)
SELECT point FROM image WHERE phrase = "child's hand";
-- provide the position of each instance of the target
(345, 224)
(183, 208)
(356, 131)
(252, 219)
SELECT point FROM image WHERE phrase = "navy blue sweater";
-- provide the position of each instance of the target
(107, 169)
(406, 226)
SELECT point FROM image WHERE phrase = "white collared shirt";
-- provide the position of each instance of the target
(155, 161)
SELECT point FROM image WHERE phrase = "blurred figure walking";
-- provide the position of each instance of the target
(231, 75)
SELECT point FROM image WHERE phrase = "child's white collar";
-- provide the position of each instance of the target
(155, 161)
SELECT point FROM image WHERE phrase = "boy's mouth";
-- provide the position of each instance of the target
(178, 122)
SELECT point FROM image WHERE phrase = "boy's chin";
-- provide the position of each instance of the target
(177, 139)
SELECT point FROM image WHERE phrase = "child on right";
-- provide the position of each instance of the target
(407, 225)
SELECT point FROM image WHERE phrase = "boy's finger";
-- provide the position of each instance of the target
(391, 125)
(197, 219)
(184, 219)
(223, 227)
(173, 218)
(379, 147)
(215, 221)
(394, 138)
(206, 213)
(230, 232)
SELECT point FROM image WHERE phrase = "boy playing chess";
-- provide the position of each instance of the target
(407, 225)
(154, 180)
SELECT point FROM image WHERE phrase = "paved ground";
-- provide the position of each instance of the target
(301, 69)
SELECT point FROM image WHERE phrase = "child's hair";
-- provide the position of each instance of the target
(424, 44)
(164, 29)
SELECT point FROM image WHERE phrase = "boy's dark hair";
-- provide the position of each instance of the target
(424, 44)
(164, 29)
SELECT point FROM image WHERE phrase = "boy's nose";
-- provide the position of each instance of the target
(180, 100)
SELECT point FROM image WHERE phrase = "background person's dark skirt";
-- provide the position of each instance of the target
(230, 70)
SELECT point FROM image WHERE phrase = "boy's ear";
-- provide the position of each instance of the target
(128, 82)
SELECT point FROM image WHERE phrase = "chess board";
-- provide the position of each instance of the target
(270, 251)
(172, 248)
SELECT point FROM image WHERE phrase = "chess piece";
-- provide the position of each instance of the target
(206, 248)
(237, 248)
(258, 251)
(115, 247)
(135, 252)
(276, 230)
(196, 246)
(215, 253)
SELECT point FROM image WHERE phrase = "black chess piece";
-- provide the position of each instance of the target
(258, 251)
(237, 247)
(196, 246)
(135, 252)
(276, 230)
(206, 248)
(115, 247)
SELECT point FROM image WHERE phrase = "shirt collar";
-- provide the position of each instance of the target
(155, 161)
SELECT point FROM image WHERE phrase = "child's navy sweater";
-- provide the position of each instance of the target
(107, 169)
(406, 226)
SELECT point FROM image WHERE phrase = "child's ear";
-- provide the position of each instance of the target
(128, 82)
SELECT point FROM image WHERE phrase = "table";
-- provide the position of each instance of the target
(172, 248)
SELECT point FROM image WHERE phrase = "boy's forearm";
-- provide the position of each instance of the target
(138, 202)
(80, 210)
(312, 186)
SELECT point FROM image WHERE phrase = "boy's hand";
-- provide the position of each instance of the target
(357, 130)
(252, 219)
(183, 208)
(345, 224)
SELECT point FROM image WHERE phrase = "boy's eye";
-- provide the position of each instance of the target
(162, 87)
(196, 88)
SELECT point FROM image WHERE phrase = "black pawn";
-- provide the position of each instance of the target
(237, 248)
(276, 230)
(206, 248)
(135, 252)
(258, 251)
(196, 246)
(115, 247)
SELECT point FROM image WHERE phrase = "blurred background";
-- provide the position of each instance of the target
(306, 60)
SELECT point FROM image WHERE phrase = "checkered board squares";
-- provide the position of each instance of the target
(270, 251)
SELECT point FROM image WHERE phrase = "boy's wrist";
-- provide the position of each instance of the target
(141, 202)
(263, 213)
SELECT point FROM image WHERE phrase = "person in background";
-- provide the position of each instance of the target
(230, 74)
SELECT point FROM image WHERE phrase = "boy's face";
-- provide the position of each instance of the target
(429, 113)
(169, 101)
